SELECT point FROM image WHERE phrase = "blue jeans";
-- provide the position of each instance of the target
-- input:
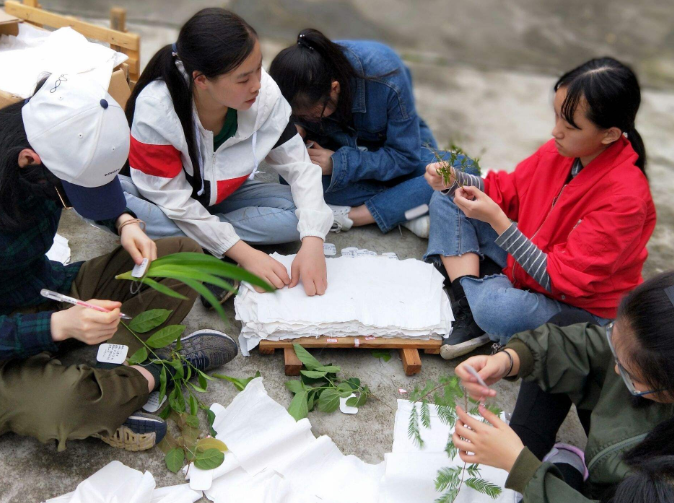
(500, 309)
(261, 213)
(388, 201)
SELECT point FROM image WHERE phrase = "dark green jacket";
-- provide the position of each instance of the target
(577, 361)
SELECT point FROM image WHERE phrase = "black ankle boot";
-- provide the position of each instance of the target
(466, 334)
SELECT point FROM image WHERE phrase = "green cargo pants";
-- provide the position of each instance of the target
(44, 398)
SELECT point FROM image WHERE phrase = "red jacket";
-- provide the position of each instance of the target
(593, 229)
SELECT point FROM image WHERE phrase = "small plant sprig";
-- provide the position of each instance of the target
(318, 386)
(458, 159)
(163, 348)
(444, 394)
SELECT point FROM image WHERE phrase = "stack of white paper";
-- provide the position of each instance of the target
(367, 295)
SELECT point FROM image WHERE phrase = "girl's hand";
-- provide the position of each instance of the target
(309, 265)
(135, 241)
(497, 445)
(478, 205)
(85, 324)
(260, 264)
(490, 368)
(322, 157)
(434, 179)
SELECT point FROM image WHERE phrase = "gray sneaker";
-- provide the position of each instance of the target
(208, 349)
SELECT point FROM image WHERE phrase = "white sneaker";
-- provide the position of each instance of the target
(342, 221)
(420, 226)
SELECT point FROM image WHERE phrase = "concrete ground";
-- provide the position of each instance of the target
(473, 97)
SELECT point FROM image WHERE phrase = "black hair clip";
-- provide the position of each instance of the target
(302, 43)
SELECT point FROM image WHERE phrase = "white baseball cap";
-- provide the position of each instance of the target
(82, 136)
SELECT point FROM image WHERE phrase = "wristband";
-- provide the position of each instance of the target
(510, 357)
(131, 221)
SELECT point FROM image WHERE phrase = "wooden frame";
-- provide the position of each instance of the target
(119, 40)
(408, 348)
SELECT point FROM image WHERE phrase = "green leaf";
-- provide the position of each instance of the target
(176, 400)
(165, 336)
(162, 383)
(313, 374)
(203, 383)
(239, 384)
(180, 370)
(147, 320)
(138, 357)
(197, 388)
(447, 478)
(484, 487)
(208, 295)
(329, 369)
(210, 265)
(425, 415)
(351, 402)
(295, 386)
(209, 459)
(192, 421)
(194, 406)
(180, 273)
(413, 427)
(354, 382)
(298, 406)
(210, 417)
(153, 284)
(344, 389)
(165, 413)
(451, 449)
(328, 401)
(174, 459)
(383, 354)
(205, 376)
(362, 398)
(305, 357)
(311, 400)
(473, 470)
(211, 443)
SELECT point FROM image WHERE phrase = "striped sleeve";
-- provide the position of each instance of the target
(526, 253)
(463, 178)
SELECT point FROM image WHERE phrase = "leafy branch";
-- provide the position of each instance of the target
(163, 348)
(458, 160)
(443, 395)
(319, 386)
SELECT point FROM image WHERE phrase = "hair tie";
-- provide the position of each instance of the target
(174, 48)
(303, 43)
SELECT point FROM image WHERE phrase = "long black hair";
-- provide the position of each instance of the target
(213, 42)
(612, 92)
(647, 314)
(651, 482)
(305, 71)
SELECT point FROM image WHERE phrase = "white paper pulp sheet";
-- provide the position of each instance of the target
(274, 459)
(33, 53)
(60, 250)
(367, 295)
(411, 471)
(117, 483)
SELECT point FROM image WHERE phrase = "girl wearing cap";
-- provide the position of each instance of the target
(64, 148)
(354, 103)
(621, 379)
(203, 115)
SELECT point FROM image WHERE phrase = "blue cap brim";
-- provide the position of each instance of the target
(97, 203)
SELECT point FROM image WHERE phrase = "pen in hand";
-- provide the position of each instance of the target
(59, 297)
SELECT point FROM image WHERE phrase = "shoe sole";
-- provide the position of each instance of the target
(211, 332)
(451, 351)
(129, 440)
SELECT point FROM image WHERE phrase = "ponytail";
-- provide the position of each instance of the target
(212, 42)
(613, 95)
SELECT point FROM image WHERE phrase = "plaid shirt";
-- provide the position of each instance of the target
(24, 271)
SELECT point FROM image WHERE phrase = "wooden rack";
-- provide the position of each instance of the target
(408, 348)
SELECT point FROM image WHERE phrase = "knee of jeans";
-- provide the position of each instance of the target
(441, 204)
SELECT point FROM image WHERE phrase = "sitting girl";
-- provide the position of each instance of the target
(354, 105)
(203, 115)
(581, 213)
(621, 379)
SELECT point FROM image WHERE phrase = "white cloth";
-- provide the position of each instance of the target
(411, 471)
(60, 250)
(34, 53)
(274, 459)
(367, 295)
(117, 483)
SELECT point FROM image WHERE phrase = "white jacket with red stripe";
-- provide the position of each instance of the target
(161, 167)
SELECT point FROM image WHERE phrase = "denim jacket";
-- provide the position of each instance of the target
(384, 140)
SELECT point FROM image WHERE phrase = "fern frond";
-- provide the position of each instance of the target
(449, 496)
(447, 414)
(425, 414)
(447, 478)
(484, 487)
(413, 428)
(451, 449)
